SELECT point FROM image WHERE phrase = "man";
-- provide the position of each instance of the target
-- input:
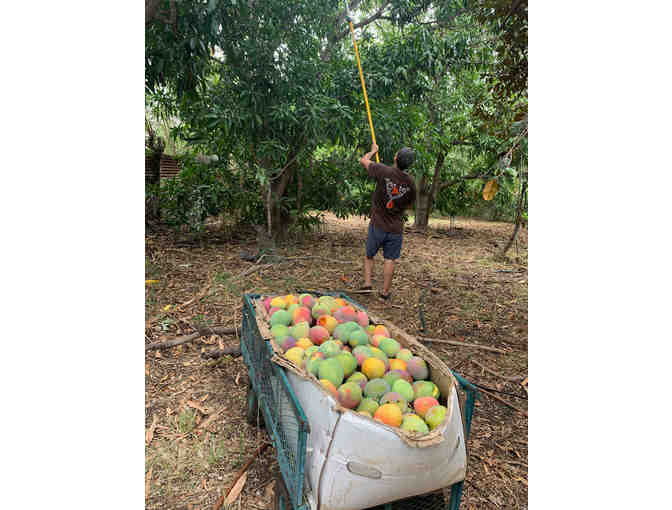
(395, 192)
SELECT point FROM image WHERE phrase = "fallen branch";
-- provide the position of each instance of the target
(461, 344)
(254, 268)
(503, 401)
(217, 330)
(242, 471)
(172, 343)
(514, 379)
(200, 331)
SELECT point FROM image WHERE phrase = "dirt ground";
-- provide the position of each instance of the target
(197, 438)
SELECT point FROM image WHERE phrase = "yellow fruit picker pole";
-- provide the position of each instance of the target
(361, 76)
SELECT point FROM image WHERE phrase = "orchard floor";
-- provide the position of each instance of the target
(196, 434)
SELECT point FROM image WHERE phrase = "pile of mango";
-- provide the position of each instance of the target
(359, 363)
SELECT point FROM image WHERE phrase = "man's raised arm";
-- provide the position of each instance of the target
(366, 158)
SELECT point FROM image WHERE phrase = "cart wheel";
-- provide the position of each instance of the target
(281, 499)
(253, 409)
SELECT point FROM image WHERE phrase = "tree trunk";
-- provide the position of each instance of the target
(277, 215)
(156, 146)
(426, 195)
(519, 215)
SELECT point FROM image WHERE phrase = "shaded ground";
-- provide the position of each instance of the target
(194, 415)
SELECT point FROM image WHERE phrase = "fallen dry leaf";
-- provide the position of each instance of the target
(203, 399)
(196, 405)
(150, 431)
(148, 480)
(236, 489)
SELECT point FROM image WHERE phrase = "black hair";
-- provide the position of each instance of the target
(405, 158)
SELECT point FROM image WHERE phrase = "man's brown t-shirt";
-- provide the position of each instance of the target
(395, 192)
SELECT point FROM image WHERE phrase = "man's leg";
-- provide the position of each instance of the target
(368, 271)
(372, 246)
(388, 272)
(391, 252)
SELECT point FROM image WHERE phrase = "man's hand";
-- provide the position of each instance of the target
(366, 159)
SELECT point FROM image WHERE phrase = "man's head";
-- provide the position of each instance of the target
(404, 158)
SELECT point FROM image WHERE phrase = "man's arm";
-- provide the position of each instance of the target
(366, 158)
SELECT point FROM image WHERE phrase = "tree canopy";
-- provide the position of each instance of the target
(273, 89)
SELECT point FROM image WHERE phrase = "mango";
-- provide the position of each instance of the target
(301, 314)
(365, 413)
(293, 307)
(392, 376)
(327, 322)
(330, 348)
(319, 310)
(377, 353)
(340, 302)
(404, 388)
(392, 397)
(389, 346)
(422, 389)
(279, 331)
(358, 337)
(281, 317)
(304, 343)
(310, 350)
(296, 356)
(414, 424)
(341, 331)
(346, 348)
(313, 363)
(423, 404)
(359, 378)
(300, 330)
(278, 302)
(417, 367)
(362, 319)
(331, 370)
(318, 335)
(390, 414)
(349, 394)
(345, 314)
(376, 388)
(369, 329)
(307, 300)
(369, 405)
(349, 363)
(373, 368)
(287, 343)
(381, 330)
(404, 354)
(375, 340)
(397, 364)
(362, 352)
(435, 415)
(267, 303)
(291, 299)
(330, 387)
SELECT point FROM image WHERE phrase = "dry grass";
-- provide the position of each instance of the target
(476, 299)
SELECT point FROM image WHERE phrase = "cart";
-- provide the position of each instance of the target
(274, 400)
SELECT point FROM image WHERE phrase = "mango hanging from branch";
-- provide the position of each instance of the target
(490, 189)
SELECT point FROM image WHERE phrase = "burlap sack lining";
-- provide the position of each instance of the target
(440, 374)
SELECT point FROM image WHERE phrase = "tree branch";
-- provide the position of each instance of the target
(152, 12)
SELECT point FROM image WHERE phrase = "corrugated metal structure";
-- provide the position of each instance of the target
(169, 168)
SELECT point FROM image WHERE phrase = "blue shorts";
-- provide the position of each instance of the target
(390, 242)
